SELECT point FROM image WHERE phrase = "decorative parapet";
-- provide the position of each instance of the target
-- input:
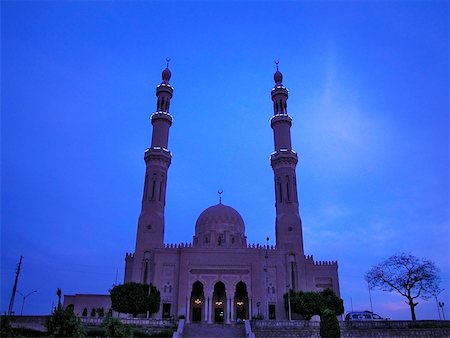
(177, 245)
(260, 246)
(189, 245)
(310, 260)
(325, 263)
(129, 256)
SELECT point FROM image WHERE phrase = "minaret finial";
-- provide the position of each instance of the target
(278, 77)
(220, 192)
(167, 60)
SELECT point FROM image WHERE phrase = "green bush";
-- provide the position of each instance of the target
(115, 328)
(329, 325)
(135, 298)
(64, 323)
(5, 327)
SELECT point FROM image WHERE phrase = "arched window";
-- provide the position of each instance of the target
(287, 189)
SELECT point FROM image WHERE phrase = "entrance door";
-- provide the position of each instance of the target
(197, 314)
(271, 311)
(166, 310)
(218, 315)
(240, 313)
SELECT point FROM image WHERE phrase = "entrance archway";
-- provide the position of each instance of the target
(219, 303)
(241, 301)
(197, 302)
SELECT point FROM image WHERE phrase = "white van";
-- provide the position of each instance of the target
(363, 315)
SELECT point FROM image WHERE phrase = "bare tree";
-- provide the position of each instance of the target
(410, 276)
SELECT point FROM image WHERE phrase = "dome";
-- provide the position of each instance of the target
(278, 77)
(166, 74)
(220, 218)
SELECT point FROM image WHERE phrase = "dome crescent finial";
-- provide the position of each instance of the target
(278, 77)
(220, 192)
(167, 60)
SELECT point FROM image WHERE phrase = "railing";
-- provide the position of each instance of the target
(248, 330)
(149, 322)
(369, 324)
(395, 324)
(283, 324)
(179, 332)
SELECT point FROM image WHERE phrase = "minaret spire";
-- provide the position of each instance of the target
(284, 161)
(157, 160)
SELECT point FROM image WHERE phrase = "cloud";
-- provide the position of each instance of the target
(342, 128)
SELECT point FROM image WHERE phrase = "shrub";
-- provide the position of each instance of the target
(115, 328)
(64, 323)
(329, 325)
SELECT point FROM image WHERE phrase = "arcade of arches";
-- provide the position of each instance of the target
(221, 305)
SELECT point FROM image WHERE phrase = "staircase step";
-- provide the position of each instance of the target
(213, 330)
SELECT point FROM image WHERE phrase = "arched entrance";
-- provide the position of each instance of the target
(241, 301)
(197, 302)
(219, 303)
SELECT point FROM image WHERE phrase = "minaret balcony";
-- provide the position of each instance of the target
(283, 158)
(158, 154)
(161, 115)
(280, 118)
(164, 87)
(279, 88)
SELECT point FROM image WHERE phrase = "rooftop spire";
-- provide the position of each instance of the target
(166, 74)
(220, 192)
(278, 77)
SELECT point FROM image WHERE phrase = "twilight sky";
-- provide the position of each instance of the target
(368, 84)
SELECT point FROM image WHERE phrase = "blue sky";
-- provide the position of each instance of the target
(369, 84)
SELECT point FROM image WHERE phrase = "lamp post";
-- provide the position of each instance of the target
(267, 281)
(441, 305)
(24, 298)
(289, 302)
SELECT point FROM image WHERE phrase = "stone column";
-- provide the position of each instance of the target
(188, 310)
(232, 309)
(210, 308)
(228, 309)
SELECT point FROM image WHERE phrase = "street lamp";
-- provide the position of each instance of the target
(289, 301)
(267, 280)
(441, 305)
(24, 298)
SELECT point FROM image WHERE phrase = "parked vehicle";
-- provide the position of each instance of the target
(363, 316)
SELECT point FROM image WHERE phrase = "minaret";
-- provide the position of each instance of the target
(157, 158)
(288, 227)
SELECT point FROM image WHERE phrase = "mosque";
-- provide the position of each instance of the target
(218, 277)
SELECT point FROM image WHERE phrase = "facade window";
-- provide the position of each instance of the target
(166, 310)
(287, 189)
(272, 313)
(153, 187)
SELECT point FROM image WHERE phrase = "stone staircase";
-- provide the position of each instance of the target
(214, 330)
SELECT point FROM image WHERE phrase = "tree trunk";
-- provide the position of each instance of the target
(412, 306)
